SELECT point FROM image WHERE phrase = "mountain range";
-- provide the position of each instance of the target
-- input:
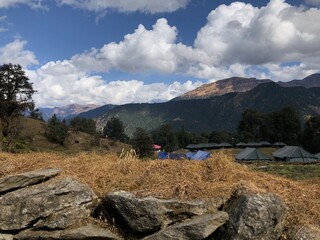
(66, 112)
(215, 106)
(216, 113)
(238, 84)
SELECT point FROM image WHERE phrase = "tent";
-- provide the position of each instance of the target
(156, 147)
(163, 155)
(251, 154)
(318, 155)
(241, 145)
(279, 144)
(200, 155)
(294, 154)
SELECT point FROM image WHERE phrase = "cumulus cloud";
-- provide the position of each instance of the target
(278, 32)
(127, 6)
(236, 39)
(61, 83)
(142, 50)
(32, 3)
(15, 53)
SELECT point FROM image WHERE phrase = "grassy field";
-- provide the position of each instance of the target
(186, 180)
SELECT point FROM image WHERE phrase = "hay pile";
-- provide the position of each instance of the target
(186, 180)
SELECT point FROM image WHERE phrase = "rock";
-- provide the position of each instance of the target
(25, 207)
(89, 232)
(14, 182)
(254, 216)
(147, 215)
(305, 233)
(6, 237)
(199, 227)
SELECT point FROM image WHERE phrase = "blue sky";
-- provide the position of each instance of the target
(107, 51)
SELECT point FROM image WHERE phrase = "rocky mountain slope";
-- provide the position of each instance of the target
(218, 88)
(237, 84)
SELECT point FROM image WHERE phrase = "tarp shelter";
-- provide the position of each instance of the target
(163, 155)
(251, 154)
(294, 154)
(241, 145)
(279, 144)
(200, 155)
(156, 147)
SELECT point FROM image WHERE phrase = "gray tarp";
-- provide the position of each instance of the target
(294, 154)
(251, 154)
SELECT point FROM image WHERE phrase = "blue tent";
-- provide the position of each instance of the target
(163, 155)
(200, 155)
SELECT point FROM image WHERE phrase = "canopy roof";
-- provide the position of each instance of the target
(200, 155)
(294, 154)
(251, 154)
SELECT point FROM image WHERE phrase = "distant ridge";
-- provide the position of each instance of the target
(308, 82)
(238, 84)
(66, 112)
(97, 111)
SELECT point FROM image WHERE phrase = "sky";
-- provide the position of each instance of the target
(134, 51)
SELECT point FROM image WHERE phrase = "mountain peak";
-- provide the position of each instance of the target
(220, 87)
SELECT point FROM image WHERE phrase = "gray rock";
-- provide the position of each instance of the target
(254, 216)
(305, 233)
(149, 214)
(199, 227)
(13, 182)
(89, 232)
(6, 237)
(25, 207)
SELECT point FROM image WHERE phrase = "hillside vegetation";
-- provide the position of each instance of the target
(218, 176)
(217, 113)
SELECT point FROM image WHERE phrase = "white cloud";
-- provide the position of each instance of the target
(36, 4)
(61, 83)
(143, 50)
(236, 39)
(15, 53)
(278, 32)
(148, 6)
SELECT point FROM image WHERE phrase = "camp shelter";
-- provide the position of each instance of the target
(265, 144)
(156, 147)
(253, 144)
(279, 144)
(200, 155)
(294, 154)
(241, 145)
(318, 155)
(251, 154)
(163, 155)
(201, 146)
(224, 145)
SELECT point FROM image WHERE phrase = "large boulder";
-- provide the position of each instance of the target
(46, 203)
(13, 182)
(254, 216)
(89, 232)
(147, 215)
(199, 227)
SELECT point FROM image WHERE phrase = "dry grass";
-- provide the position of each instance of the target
(218, 176)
